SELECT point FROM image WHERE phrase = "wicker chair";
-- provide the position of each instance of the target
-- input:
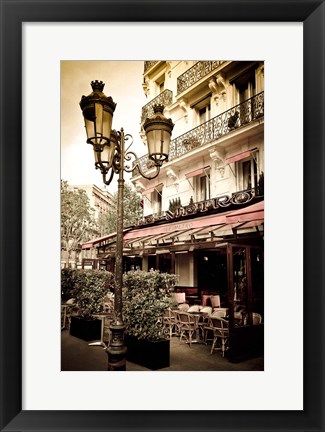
(184, 307)
(187, 326)
(207, 328)
(169, 322)
(220, 329)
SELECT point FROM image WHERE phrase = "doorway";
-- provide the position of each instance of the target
(211, 268)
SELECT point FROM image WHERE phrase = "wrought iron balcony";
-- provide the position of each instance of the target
(165, 98)
(195, 73)
(148, 64)
(219, 126)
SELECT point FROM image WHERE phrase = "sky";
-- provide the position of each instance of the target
(123, 82)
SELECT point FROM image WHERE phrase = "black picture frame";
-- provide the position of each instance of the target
(13, 14)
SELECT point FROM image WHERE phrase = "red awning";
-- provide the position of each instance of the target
(253, 215)
(150, 190)
(240, 156)
(253, 212)
(91, 243)
(197, 172)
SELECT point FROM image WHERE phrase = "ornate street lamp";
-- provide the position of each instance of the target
(111, 157)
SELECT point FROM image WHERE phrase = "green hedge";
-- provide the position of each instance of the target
(146, 295)
(88, 288)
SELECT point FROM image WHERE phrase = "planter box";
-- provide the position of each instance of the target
(246, 342)
(87, 330)
(150, 354)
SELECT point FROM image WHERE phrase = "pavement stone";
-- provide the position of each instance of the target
(77, 355)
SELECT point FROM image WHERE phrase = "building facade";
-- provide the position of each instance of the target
(204, 213)
(99, 198)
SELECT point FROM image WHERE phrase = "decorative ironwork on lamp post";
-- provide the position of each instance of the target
(111, 157)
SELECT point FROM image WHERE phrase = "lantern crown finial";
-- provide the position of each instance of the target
(97, 85)
(158, 108)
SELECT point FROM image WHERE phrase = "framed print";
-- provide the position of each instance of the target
(35, 38)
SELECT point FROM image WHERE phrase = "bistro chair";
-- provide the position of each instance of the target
(215, 301)
(179, 298)
(187, 326)
(169, 322)
(219, 313)
(66, 312)
(207, 327)
(257, 318)
(184, 307)
(220, 328)
(205, 312)
(206, 300)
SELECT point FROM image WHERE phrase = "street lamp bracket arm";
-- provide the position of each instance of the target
(137, 165)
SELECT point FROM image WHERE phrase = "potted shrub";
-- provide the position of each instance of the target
(146, 297)
(89, 290)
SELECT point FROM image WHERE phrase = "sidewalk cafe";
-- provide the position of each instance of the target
(219, 260)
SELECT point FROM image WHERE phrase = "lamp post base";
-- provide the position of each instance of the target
(117, 350)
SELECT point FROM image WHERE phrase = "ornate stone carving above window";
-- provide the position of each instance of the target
(217, 156)
(184, 106)
(174, 177)
(219, 87)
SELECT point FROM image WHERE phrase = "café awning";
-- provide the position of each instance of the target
(152, 189)
(216, 225)
(240, 156)
(254, 212)
(92, 243)
(197, 172)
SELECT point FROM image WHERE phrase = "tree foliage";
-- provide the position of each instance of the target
(133, 211)
(77, 218)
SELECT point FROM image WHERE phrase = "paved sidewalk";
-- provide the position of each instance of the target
(77, 355)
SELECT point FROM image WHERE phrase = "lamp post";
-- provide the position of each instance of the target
(111, 158)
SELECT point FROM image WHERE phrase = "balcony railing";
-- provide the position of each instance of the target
(148, 64)
(165, 98)
(195, 73)
(235, 118)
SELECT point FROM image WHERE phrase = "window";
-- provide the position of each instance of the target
(202, 109)
(156, 202)
(248, 174)
(202, 187)
(245, 88)
(160, 84)
(245, 85)
(204, 114)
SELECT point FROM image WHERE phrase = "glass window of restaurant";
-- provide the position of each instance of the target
(245, 299)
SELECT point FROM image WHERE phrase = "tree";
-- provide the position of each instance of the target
(133, 211)
(77, 218)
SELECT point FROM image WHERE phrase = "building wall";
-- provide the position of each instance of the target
(100, 199)
(224, 87)
(205, 95)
